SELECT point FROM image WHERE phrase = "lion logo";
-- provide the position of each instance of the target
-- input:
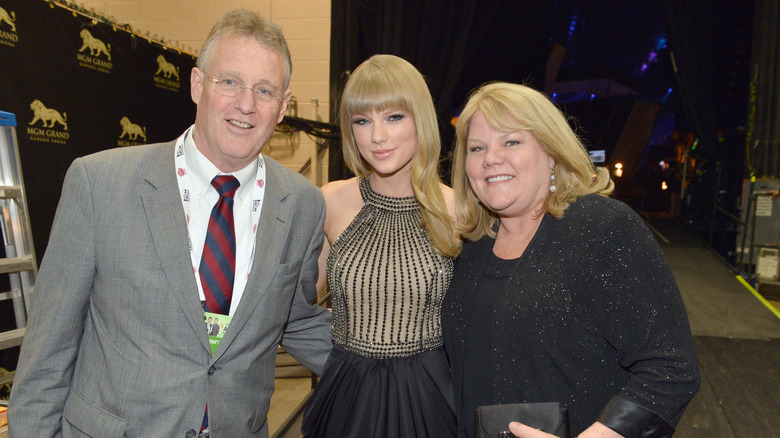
(131, 130)
(49, 115)
(10, 19)
(166, 68)
(94, 45)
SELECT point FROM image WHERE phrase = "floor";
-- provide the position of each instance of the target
(293, 387)
(737, 339)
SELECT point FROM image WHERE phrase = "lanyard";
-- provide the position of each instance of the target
(186, 189)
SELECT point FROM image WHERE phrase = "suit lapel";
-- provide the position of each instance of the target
(169, 232)
(273, 230)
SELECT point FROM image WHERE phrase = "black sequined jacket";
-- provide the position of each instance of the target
(593, 318)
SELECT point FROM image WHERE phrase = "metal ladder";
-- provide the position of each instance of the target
(19, 263)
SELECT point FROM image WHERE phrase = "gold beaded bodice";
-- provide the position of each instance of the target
(387, 281)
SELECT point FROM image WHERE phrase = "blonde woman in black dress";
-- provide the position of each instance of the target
(560, 293)
(388, 259)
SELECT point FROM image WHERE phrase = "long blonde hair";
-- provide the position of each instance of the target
(388, 82)
(509, 108)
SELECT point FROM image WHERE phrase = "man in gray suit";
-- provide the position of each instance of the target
(116, 345)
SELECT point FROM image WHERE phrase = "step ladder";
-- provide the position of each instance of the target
(19, 265)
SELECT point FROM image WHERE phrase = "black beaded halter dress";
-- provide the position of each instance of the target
(387, 375)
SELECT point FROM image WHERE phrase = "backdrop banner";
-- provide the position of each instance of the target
(78, 85)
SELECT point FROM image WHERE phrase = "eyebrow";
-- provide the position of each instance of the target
(236, 75)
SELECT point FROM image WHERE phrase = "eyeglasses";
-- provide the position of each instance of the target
(233, 88)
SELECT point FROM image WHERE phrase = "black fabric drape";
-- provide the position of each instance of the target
(710, 42)
(763, 131)
(689, 26)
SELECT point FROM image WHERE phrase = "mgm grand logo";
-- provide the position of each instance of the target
(132, 134)
(167, 75)
(92, 52)
(54, 125)
(8, 35)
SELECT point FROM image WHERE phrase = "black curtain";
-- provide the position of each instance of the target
(763, 129)
(711, 44)
(693, 40)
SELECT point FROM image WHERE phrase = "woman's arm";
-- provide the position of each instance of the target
(642, 315)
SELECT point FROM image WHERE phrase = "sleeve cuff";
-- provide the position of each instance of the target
(633, 421)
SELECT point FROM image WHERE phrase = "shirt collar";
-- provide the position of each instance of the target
(202, 171)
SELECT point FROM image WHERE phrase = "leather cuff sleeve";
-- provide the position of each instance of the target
(633, 421)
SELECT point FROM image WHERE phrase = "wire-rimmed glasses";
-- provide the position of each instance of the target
(233, 88)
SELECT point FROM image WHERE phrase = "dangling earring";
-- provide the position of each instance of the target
(553, 188)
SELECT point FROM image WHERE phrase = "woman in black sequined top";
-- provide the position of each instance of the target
(560, 293)
(388, 255)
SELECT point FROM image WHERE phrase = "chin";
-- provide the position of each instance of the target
(499, 207)
(386, 170)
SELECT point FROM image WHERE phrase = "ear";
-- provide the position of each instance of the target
(551, 161)
(283, 105)
(196, 84)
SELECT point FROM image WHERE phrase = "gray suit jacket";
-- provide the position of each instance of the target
(116, 345)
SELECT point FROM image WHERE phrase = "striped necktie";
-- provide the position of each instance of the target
(218, 263)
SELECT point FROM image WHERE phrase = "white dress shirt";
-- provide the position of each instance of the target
(203, 197)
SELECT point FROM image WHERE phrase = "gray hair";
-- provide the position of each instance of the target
(245, 23)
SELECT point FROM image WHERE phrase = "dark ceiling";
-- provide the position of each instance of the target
(623, 41)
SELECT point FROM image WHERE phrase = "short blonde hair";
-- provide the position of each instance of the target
(513, 107)
(388, 82)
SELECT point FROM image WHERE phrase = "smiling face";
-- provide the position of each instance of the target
(231, 131)
(508, 171)
(387, 140)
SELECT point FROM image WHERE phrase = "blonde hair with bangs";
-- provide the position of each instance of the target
(388, 82)
(513, 107)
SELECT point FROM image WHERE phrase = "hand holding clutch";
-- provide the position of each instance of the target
(547, 417)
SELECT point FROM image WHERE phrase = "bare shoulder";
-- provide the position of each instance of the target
(342, 203)
(341, 192)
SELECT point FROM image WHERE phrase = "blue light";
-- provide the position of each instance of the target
(661, 43)
(666, 96)
(572, 28)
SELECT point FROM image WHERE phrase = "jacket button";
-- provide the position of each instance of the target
(212, 370)
(191, 433)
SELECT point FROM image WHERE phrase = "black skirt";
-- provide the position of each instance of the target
(392, 398)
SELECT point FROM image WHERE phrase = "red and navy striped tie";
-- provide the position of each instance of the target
(218, 264)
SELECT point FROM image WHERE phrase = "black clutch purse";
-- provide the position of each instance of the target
(547, 417)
